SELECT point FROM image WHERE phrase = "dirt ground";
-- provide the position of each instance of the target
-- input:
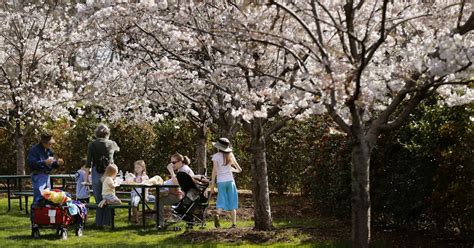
(323, 229)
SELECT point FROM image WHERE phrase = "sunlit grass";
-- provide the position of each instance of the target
(15, 231)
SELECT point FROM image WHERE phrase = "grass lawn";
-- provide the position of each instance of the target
(15, 231)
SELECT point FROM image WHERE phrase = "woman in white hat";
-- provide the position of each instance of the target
(224, 165)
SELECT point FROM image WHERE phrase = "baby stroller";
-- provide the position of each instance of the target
(50, 215)
(192, 208)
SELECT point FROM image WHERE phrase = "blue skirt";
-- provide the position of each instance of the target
(227, 196)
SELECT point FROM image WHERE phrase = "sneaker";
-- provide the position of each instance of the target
(216, 222)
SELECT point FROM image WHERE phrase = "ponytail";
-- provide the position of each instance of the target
(182, 158)
(186, 160)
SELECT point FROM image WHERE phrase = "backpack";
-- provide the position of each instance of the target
(101, 163)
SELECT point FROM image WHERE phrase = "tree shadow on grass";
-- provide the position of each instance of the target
(15, 213)
(48, 236)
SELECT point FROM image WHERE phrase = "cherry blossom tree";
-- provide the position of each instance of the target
(37, 77)
(196, 59)
(254, 80)
(367, 63)
(370, 63)
(165, 60)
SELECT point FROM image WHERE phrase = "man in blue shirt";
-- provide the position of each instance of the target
(41, 161)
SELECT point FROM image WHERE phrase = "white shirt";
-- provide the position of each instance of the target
(224, 172)
(187, 170)
(167, 182)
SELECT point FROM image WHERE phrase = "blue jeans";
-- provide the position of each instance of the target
(103, 216)
(39, 181)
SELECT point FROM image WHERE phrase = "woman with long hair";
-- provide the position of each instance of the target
(224, 165)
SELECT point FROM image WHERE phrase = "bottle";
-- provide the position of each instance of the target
(120, 174)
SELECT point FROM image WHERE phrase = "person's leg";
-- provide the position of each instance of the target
(233, 202)
(97, 191)
(234, 217)
(220, 203)
(135, 200)
(107, 213)
(35, 181)
(115, 200)
(36, 195)
(166, 200)
(39, 182)
(134, 215)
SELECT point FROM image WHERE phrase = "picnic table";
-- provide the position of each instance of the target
(19, 192)
(143, 200)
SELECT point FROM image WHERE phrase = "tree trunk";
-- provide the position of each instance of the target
(201, 151)
(226, 130)
(20, 150)
(261, 195)
(360, 193)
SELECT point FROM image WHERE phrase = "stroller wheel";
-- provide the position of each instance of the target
(35, 233)
(79, 232)
(63, 234)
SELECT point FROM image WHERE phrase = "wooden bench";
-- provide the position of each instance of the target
(26, 194)
(112, 207)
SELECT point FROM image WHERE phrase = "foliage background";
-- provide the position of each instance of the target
(422, 175)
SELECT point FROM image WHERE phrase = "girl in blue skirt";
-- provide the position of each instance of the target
(224, 165)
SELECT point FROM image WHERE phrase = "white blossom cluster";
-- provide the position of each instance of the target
(150, 59)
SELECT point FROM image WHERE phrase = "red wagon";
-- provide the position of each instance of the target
(54, 217)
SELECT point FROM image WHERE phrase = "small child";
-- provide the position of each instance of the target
(108, 187)
(82, 183)
(140, 176)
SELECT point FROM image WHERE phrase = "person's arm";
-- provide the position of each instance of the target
(89, 155)
(110, 182)
(116, 147)
(236, 167)
(145, 177)
(174, 191)
(55, 163)
(86, 175)
(214, 175)
(170, 168)
(35, 162)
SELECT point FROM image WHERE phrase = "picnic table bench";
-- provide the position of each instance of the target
(112, 207)
(144, 203)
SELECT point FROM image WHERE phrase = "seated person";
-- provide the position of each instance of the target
(108, 187)
(179, 163)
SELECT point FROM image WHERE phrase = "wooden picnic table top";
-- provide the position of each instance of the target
(131, 185)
